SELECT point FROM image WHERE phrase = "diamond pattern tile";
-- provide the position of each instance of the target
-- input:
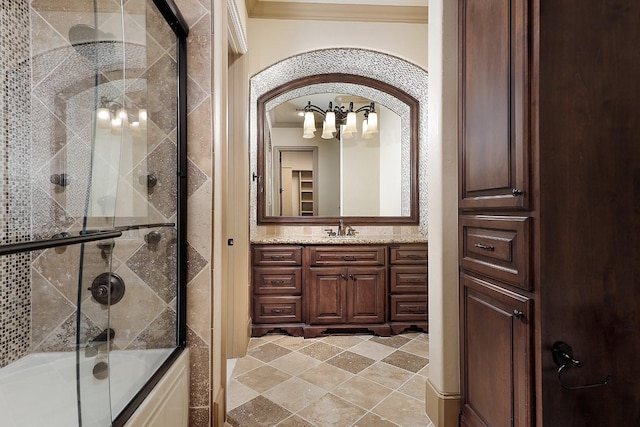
(324, 395)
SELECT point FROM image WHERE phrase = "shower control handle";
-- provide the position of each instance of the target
(60, 179)
(153, 238)
(150, 180)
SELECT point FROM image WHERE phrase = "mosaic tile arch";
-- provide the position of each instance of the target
(386, 68)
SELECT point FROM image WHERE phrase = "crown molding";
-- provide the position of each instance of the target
(337, 12)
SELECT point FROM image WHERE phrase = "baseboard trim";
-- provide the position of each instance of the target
(442, 409)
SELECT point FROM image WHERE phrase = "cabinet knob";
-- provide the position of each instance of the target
(517, 192)
(351, 277)
(518, 314)
(344, 276)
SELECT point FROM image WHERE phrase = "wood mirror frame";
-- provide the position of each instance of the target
(411, 219)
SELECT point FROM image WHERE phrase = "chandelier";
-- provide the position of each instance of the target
(114, 115)
(340, 116)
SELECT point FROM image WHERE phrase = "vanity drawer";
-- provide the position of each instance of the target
(277, 255)
(408, 279)
(346, 255)
(287, 309)
(497, 247)
(277, 280)
(408, 254)
(409, 307)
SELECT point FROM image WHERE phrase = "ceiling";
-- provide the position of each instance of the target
(403, 11)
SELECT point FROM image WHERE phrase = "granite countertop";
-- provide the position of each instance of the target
(345, 240)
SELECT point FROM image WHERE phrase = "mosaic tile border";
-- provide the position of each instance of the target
(362, 62)
(15, 196)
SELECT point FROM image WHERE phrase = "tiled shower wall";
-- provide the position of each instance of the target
(198, 15)
(15, 291)
(54, 273)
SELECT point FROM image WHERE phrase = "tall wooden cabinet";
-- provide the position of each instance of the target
(549, 212)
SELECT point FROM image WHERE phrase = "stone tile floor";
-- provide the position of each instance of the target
(341, 380)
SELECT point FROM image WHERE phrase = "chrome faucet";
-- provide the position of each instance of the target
(340, 228)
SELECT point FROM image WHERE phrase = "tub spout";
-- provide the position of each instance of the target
(99, 342)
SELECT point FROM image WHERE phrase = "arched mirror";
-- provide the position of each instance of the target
(336, 146)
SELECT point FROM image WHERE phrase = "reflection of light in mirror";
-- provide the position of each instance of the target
(360, 175)
(142, 117)
(372, 122)
(330, 121)
(104, 117)
(116, 125)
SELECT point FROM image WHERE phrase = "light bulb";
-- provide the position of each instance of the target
(366, 134)
(124, 117)
(326, 132)
(330, 121)
(116, 125)
(142, 118)
(351, 123)
(347, 135)
(309, 122)
(372, 121)
(103, 117)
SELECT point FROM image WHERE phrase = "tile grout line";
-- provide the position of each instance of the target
(334, 341)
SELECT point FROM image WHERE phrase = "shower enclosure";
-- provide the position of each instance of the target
(93, 175)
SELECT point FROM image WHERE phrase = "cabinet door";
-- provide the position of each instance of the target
(366, 294)
(327, 295)
(494, 113)
(496, 355)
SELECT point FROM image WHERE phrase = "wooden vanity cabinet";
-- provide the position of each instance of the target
(346, 289)
(276, 289)
(312, 290)
(408, 279)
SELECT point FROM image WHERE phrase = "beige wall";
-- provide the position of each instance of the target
(443, 390)
(271, 40)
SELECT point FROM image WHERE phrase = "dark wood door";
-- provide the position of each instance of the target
(494, 111)
(327, 297)
(366, 292)
(496, 355)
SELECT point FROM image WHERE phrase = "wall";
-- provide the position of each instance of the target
(198, 15)
(443, 383)
(15, 203)
(327, 187)
(271, 40)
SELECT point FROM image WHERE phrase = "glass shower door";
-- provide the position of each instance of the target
(95, 111)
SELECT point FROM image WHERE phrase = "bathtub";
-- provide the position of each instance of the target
(41, 388)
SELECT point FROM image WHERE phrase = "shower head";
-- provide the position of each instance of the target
(91, 42)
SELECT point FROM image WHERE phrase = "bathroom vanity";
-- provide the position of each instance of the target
(315, 289)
